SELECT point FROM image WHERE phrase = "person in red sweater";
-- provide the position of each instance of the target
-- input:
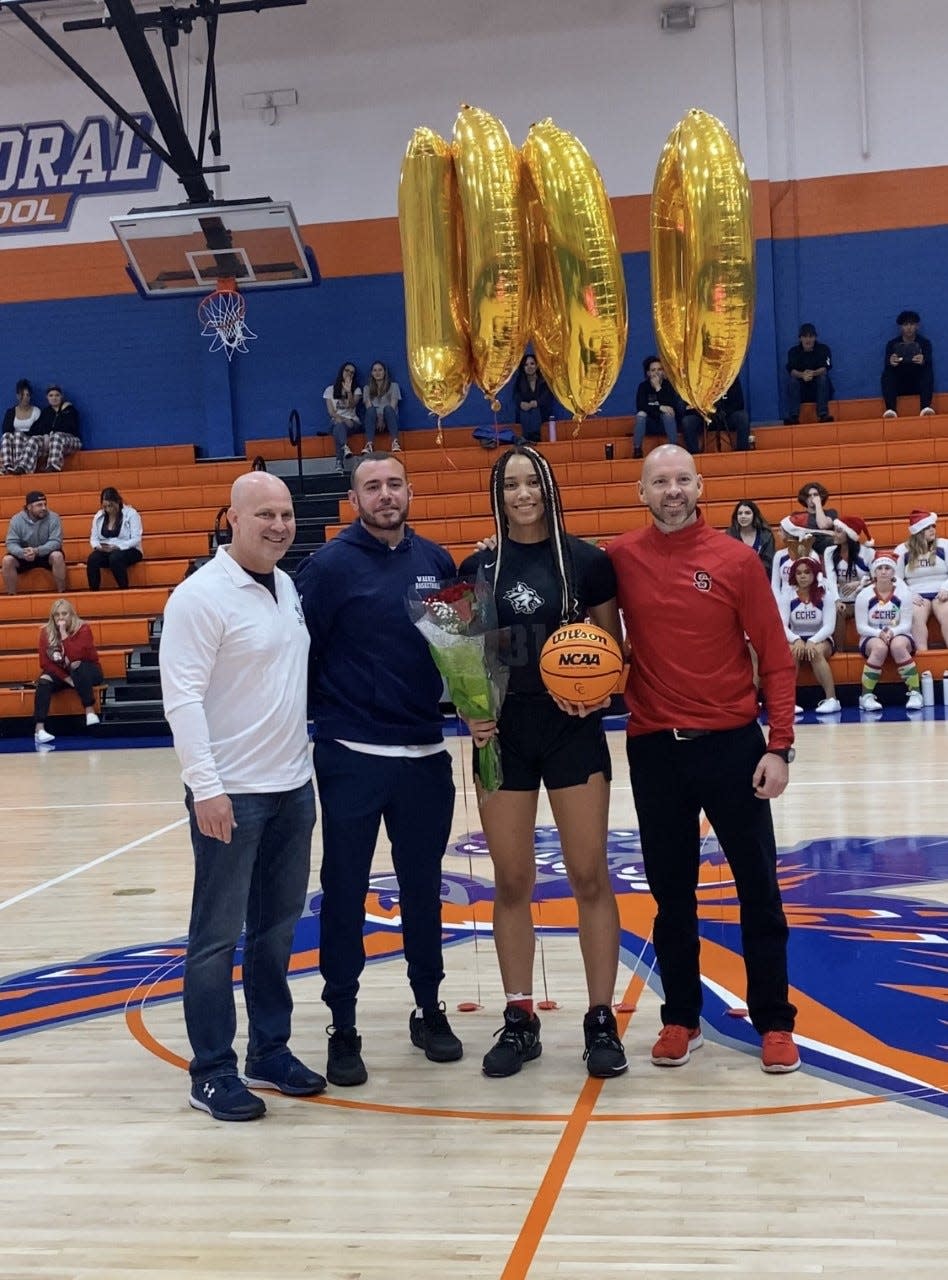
(692, 598)
(68, 658)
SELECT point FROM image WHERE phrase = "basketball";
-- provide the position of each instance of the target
(581, 663)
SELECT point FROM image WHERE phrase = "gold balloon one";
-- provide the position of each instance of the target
(702, 259)
(488, 170)
(439, 353)
(579, 312)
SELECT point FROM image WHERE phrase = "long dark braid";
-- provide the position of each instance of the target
(553, 509)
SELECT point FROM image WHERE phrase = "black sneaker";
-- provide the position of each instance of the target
(432, 1032)
(344, 1065)
(604, 1054)
(286, 1073)
(518, 1042)
(226, 1098)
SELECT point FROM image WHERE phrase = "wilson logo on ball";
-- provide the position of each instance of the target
(581, 663)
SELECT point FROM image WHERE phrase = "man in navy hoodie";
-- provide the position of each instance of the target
(379, 753)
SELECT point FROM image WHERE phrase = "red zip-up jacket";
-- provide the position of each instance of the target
(688, 598)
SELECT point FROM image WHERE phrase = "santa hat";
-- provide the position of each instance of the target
(795, 526)
(884, 557)
(855, 528)
(920, 520)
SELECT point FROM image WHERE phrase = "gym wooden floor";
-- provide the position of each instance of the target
(432, 1171)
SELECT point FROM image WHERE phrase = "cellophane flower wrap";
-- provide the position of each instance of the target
(459, 622)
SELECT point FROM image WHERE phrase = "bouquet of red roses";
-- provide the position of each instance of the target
(460, 624)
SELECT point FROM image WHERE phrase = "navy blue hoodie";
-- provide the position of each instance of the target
(372, 678)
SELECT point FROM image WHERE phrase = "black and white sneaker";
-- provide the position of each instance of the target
(432, 1032)
(518, 1042)
(604, 1054)
(344, 1065)
(226, 1098)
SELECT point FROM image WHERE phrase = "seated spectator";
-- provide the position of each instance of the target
(922, 564)
(116, 540)
(908, 367)
(380, 400)
(59, 426)
(798, 542)
(884, 622)
(68, 659)
(656, 406)
(34, 541)
(808, 364)
(809, 615)
(749, 526)
(533, 401)
(846, 565)
(819, 517)
(729, 415)
(342, 399)
(22, 440)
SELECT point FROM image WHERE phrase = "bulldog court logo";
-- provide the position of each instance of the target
(46, 168)
(868, 953)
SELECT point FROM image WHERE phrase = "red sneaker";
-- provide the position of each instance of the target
(778, 1053)
(673, 1047)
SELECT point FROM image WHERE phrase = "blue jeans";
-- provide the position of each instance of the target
(668, 423)
(389, 423)
(416, 800)
(341, 431)
(799, 390)
(261, 877)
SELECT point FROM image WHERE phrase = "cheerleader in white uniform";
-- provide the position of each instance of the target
(797, 542)
(809, 615)
(922, 563)
(884, 621)
(846, 568)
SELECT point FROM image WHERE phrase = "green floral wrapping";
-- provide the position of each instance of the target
(459, 622)
(474, 694)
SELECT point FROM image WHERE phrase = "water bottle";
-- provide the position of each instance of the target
(928, 689)
(944, 688)
(551, 431)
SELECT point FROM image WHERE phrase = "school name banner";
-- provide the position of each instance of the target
(45, 168)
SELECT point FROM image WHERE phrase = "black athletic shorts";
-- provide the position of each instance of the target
(24, 566)
(541, 743)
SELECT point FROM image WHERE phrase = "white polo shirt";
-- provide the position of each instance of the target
(233, 677)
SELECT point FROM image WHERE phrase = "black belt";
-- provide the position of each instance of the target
(686, 735)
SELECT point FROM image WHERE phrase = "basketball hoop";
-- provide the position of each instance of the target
(222, 314)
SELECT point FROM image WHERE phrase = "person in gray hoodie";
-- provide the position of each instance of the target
(34, 541)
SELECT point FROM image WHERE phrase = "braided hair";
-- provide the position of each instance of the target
(553, 509)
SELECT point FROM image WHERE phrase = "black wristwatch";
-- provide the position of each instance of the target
(787, 754)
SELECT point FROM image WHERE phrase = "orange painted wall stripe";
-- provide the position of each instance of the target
(840, 205)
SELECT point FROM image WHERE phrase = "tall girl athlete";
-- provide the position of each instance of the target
(809, 616)
(542, 577)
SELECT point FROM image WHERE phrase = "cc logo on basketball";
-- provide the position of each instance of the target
(702, 580)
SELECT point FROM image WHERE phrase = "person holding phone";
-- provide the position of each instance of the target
(908, 367)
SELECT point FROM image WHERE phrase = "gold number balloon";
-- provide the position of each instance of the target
(488, 170)
(702, 259)
(439, 354)
(579, 316)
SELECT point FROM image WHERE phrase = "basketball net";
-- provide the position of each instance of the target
(222, 314)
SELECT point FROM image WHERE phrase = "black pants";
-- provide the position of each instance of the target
(117, 561)
(693, 428)
(672, 782)
(907, 379)
(85, 676)
(415, 797)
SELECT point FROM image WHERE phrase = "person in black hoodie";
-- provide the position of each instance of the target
(379, 753)
(59, 426)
